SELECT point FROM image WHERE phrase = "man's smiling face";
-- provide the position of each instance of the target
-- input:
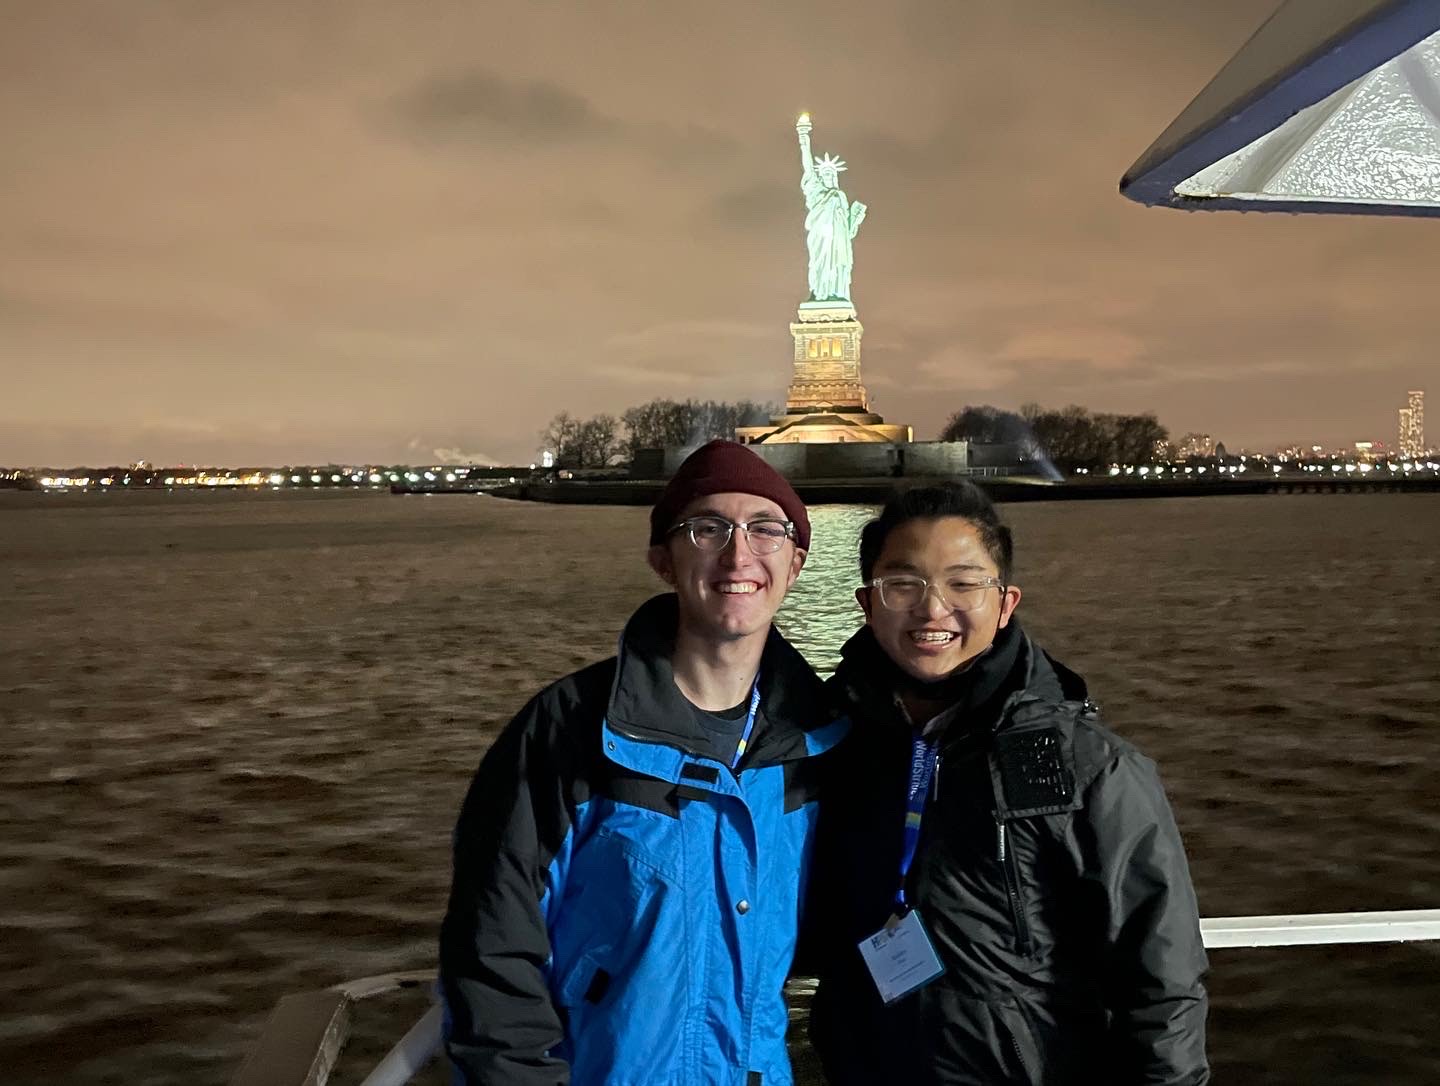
(930, 640)
(731, 593)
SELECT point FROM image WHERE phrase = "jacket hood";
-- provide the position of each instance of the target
(645, 703)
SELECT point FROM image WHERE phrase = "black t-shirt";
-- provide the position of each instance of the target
(722, 729)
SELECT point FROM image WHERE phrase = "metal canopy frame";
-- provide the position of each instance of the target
(1303, 53)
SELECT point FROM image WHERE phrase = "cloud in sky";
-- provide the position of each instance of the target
(481, 106)
(324, 230)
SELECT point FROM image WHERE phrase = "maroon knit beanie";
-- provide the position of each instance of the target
(724, 467)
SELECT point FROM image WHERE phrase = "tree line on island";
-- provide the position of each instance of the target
(1070, 438)
(603, 440)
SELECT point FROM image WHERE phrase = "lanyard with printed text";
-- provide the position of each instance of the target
(749, 723)
(923, 758)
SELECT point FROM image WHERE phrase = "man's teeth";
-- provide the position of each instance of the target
(927, 637)
(738, 588)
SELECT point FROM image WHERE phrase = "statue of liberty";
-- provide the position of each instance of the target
(831, 221)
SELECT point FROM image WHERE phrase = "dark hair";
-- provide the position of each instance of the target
(961, 498)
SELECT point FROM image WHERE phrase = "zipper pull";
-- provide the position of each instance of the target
(935, 784)
(999, 839)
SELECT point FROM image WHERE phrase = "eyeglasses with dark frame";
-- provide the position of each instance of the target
(765, 535)
(906, 591)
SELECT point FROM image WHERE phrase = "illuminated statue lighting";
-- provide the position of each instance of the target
(831, 220)
(826, 403)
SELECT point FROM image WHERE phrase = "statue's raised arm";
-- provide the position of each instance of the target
(831, 221)
(802, 130)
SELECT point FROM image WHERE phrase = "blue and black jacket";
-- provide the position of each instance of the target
(624, 910)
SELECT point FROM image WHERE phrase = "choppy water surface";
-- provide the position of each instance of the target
(237, 728)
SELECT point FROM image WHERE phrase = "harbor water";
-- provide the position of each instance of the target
(237, 727)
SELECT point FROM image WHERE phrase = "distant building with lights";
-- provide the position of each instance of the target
(1196, 445)
(1412, 425)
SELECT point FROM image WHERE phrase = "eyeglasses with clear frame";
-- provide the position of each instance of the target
(766, 535)
(906, 591)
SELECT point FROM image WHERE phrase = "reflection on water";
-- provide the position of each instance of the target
(237, 731)
(820, 613)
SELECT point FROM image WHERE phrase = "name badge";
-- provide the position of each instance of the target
(901, 957)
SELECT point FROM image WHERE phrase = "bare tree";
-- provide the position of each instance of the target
(1074, 438)
(599, 441)
(656, 424)
(1138, 437)
(562, 437)
(986, 425)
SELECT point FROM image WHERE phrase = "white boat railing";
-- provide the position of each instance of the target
(417, 1048)
(1309, 929)
(319, 1021)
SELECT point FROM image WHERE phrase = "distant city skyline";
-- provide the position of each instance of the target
(1193, 443)
(1410, 443)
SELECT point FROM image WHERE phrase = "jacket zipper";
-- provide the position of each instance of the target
(1019, 1055)
(1012, 888)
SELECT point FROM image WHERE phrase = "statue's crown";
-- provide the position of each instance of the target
(826, 162)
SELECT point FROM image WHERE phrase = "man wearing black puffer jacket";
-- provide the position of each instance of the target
(1003, 896)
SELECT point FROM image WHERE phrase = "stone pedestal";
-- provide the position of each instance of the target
(826, 401)
(827, 360)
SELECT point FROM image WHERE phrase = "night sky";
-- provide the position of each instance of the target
(274, 232)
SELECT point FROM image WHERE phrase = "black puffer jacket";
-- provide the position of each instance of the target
(1050, 875)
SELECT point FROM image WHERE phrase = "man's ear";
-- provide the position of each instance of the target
(659, 558)
(1008, 603)
(862, 597)
(797, 563)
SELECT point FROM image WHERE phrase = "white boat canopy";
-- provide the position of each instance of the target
(1333, 106)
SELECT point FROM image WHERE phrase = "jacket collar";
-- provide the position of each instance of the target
(646, 705)
(1036, 681)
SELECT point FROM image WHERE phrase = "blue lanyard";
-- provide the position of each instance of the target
(923, 759)
(749, 723)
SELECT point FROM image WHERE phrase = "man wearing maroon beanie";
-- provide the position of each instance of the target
(631, 855)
